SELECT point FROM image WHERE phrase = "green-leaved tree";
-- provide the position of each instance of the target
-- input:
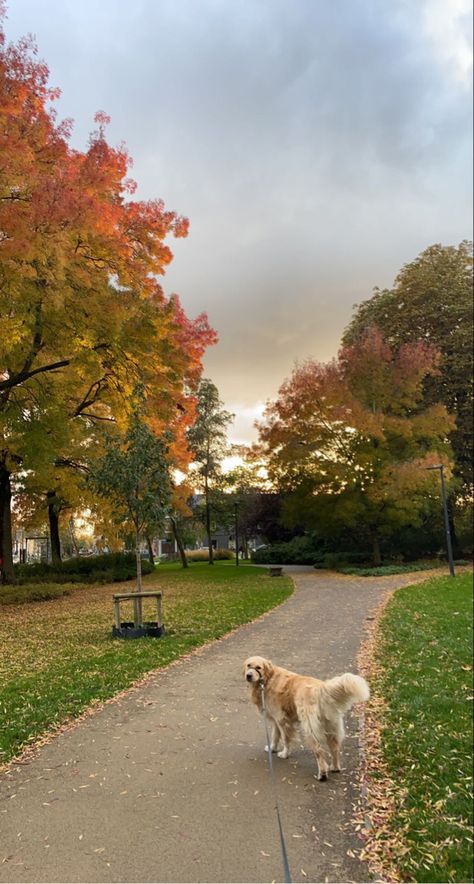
(207, 441)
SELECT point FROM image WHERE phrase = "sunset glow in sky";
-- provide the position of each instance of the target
(316, 147)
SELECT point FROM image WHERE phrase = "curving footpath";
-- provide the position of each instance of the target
(170, 783)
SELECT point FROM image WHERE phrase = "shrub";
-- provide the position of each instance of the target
(299, 551)
(386, 570)
(107, 568)
(202, 555)
(338, 560)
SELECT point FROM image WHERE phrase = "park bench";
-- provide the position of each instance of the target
(275, 570)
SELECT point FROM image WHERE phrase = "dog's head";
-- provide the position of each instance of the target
(257, 669)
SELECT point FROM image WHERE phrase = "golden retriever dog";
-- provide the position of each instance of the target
(300, 703)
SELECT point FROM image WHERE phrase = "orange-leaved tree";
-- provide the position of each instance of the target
(351, 442)
(83, 316)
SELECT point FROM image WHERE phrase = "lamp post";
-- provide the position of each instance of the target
(439, 466)
(236, 531)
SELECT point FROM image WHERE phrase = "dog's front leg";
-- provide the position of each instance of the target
(274, 736)
(285, 736)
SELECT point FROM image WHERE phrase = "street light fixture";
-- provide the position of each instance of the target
(440, 467)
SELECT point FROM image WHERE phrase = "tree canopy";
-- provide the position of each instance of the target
(431, 301)
(351, 440)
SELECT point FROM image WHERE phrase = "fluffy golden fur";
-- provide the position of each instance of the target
(300, 703)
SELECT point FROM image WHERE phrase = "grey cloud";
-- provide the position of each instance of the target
(315, 146)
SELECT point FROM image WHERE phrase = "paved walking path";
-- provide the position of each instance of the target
(170, 783)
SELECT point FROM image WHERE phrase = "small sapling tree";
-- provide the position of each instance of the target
(133, 474)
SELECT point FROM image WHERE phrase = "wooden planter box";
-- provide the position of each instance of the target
(129, 630)
(137, 629)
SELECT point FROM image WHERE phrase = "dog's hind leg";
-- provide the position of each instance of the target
(335, 749)
(316, 738)
(335, 739)
(321, 757)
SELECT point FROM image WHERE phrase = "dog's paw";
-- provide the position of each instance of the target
(335, 770)
(284, 753)
(269, 749)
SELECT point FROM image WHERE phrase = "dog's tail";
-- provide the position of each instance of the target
(347, 689)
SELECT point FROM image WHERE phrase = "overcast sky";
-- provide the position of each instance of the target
(315, 145)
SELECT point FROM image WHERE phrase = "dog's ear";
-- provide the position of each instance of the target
(267, 669)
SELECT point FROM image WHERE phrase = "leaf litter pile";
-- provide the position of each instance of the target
(58, 657)
(416, 815)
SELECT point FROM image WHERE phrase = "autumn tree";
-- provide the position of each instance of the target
(351, 441)
(83, 315)
(207, 440)
(431, 301)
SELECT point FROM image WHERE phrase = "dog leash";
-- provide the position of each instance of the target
(286, 866)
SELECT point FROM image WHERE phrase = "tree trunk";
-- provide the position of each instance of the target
(53, 517)
(74, 545)
(6, 548)
(150, 550)
(376, 555)
(179, 542)
(208, 523)
(137, 603)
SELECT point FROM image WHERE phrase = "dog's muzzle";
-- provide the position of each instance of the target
(253, 677)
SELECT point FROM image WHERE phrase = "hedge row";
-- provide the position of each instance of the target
(386, 570)
(305, 551)
(107, 568)
(202, 555)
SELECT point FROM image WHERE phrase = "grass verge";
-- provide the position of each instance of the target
(58, 657)
(422, 686)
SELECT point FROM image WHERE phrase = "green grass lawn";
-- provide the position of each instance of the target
(425, 655)
(57, 657)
